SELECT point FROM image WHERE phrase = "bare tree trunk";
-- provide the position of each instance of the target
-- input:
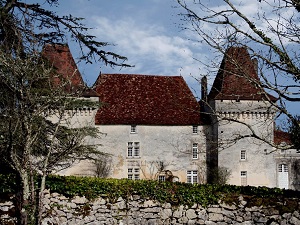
(40, 199)
(24, 198)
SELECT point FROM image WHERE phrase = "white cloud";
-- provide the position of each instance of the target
(148, 47)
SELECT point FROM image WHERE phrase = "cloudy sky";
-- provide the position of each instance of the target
(147, 32)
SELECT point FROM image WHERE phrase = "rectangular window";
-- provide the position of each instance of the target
(133, 173)
(136, 149)
(129, 149)
(133, 149)
(161, 178)
(283, 168)
(195, 129)
(192, 176)
(136, 176)
(243, 154)
(195, 151)
(243, 178)
(133, 129)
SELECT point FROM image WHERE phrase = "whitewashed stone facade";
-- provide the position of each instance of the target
(151, 128)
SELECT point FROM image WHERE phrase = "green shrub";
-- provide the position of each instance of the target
(175, 193)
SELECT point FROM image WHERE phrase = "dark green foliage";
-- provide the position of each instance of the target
(174, 193)
(8, 183)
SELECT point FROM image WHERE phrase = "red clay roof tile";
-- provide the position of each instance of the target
(237, 78)
(281, 137)
(68, 75)
(62, 60)
(145, 100)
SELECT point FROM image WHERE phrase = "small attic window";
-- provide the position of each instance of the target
(195, 129)
(133, 129)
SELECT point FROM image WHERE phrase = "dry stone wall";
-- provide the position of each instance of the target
(79, 210)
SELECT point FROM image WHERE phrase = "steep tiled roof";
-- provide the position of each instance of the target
(146, 100)
(68, 75)
(237, 78)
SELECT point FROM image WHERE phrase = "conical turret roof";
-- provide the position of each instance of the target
(237, 78)
(67, 75)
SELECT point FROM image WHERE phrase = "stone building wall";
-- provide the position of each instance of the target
(76, 211)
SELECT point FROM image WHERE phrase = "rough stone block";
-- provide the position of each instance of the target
(178, 213)
(215, 217)
(165, 214)
(214, 210)
(79, 200)
(190, 213)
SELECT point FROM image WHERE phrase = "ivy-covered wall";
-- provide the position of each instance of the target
(74, 200)
(61, 210)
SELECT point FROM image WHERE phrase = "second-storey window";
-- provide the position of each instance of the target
(133, 149)
(136, 149)
(195, 151)
(243, 154)
(129, 149)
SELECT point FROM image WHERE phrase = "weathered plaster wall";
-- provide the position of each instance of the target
(171, 145)
(78, 117)
(60, 210)
(235, 121)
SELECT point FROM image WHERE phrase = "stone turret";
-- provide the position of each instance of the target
(242, 112)
(68, 78)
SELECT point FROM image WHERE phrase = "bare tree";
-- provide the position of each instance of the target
(151, 170)
(271, 35)
(102, 166)
(35, 109)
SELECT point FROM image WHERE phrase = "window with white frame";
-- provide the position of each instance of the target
(195, 129)
(136, 149)
(133, 174)
(130, 149)
(192, 176)
(161, 178)
(195, 151)
(283, 176)
(243, 178)
(243, 154)
(283, 168)
(133, 149)
(133, 129)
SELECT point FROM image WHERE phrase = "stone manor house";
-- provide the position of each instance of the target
(152, 127)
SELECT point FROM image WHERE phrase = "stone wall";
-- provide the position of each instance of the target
(61, 210)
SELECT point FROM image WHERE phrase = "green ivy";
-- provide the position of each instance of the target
(174, 193)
